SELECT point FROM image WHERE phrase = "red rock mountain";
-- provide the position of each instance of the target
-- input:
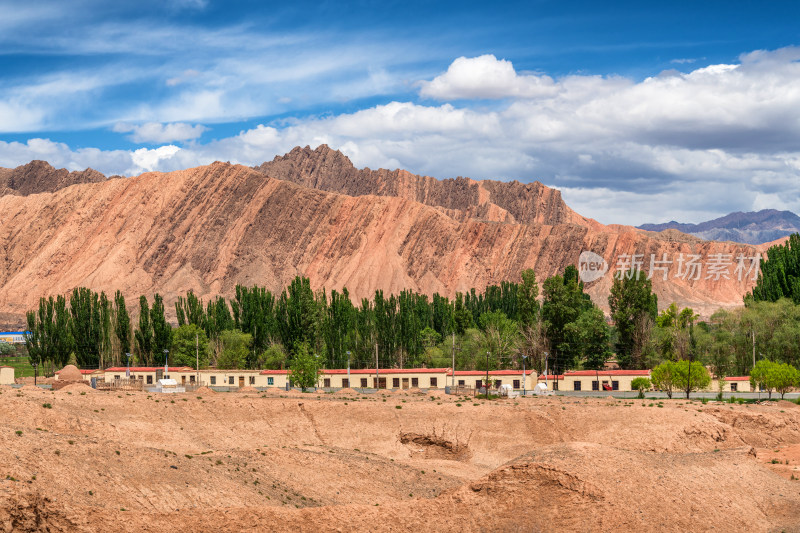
(39, 176)
(312, 213)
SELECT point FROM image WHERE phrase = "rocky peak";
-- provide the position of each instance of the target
(39, 176)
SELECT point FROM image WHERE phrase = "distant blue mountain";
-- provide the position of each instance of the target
(755, 227)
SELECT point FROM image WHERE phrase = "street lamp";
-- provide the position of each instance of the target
(128, 371)
(348, 369)
(166, 366)
(545, 368)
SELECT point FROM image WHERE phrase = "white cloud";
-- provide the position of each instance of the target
(485, 77)
(156, 133)
(688, 146)
(151, 159)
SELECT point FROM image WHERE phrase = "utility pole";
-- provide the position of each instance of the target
(753, 335)
(197, 357)
(486, 385)
(453, 369)
(377, 374)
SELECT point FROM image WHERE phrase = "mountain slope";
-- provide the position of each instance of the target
(39, 176)
(210, 228)
(756, 227)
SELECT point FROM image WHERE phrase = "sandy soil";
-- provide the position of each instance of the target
(109, 461)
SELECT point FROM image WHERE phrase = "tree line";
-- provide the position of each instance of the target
(554, 325)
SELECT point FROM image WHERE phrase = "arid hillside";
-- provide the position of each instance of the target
(83, 460)
(311, 213)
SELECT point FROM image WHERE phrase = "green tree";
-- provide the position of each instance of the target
(641, 385)
(189, 342)
(162, 330)
(144, 332)
(304, 369)
(664, 377)
(6, 348)
(591, 338)
(779, 276)
(122, 325)
(235, 348)
(690, 376)
(632, 304)
(564, 301)
(527, 304)
(500, 339)
(274, 357)
(86, 326)
(760, 376)
(783, 377)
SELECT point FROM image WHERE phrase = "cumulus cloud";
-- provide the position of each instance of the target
(157, 133)
(685, 146)
(150, 159)
(485, 77)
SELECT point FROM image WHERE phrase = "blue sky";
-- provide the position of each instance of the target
(637, 111)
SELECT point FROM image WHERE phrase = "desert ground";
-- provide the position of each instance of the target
(82, 460)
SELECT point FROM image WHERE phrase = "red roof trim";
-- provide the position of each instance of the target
(84, 370)
(387, 371)
(279, 372)
(608, 373)
(149, 369)
(491, 372)
(550, 376)
(737, 378)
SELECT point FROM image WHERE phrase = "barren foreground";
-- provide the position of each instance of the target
(209, 461)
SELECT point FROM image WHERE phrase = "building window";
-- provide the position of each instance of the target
(230, 380)
(478, 383)
(270, 381)
(516, 384)
(434, 383)
(461, 383)
(363, 383)
(734, 387)
(252, 380)
(326, 382)
(116, 377)
(576, 385)
(497, 383)
(395, 383)
(149, 380)
(595, 385)
(415, 382)
(555, 385)
(191, 379)
(213, 380)
(345, 383)
(615, 385)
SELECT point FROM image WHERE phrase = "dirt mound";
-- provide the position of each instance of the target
(346, 390)
(70, 373)
(434, 446)
(786, 404)
(78, 386)
(205, 390)
(310, 462)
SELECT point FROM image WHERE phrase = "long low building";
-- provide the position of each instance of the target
(497, 378)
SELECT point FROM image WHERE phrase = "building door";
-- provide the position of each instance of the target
(183, 380)
(241, 381)
(405, 383)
